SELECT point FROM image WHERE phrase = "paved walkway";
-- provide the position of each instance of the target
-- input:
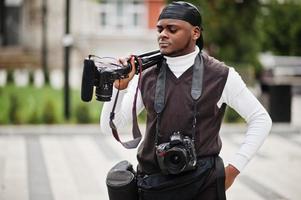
(66, 162)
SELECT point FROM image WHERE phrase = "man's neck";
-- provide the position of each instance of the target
(178, 65)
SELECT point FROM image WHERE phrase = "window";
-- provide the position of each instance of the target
(10, 22)
(122, 15)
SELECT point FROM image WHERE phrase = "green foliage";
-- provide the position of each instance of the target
(40, 105)
(94, 108)
(142, 117)
(10, 76)
(49, 115)
(4, 105)
(231, 116)
(231, 29)
(236, 31)
(282, 26)
(34, 118)
(82, 114)
(30, 105)
(14, 114)
(31, 77)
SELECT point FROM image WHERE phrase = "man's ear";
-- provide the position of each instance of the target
(196, 33)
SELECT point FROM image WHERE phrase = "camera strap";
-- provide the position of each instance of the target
(135, 128)
(196, 92)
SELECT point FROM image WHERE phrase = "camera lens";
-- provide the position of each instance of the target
(175, 160)
(104, 92)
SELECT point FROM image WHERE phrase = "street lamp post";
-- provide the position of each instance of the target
(67, 41)
(44, 42)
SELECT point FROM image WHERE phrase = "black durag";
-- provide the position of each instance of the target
(184, 11)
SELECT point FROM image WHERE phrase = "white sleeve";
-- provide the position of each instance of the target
(123, 109)
(238, 96)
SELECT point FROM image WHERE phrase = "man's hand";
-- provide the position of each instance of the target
(123, 83)
(231, 173)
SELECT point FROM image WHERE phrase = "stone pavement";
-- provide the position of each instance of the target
(71, 162)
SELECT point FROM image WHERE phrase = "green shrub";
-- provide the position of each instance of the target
(4, 106)
(34, 118)
(82, 114)
(231, 116)
(14, 112)
(49, 114)
(10, 76)
(31, 77)
(142, 117)
(43, 105)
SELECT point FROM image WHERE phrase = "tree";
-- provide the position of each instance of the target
(282, 27)
(231, 29)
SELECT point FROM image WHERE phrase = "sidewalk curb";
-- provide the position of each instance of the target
(50, 129)
(278, 128)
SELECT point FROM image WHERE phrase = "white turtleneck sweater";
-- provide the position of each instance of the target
(235, 94)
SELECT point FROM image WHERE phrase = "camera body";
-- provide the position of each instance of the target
(102, 78)
(103, 74)
(177, 155)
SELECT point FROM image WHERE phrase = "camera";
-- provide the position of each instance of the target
(177, 155)
(101, 72)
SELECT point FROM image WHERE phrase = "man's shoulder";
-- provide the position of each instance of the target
(214, 64)
(149, 75)
(150, 71)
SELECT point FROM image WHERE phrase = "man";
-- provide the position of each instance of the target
(180, 41)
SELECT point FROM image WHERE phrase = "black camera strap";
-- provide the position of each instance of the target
(135, 128)
(196, 92)
(159, 97)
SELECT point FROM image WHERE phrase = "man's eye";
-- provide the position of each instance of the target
(159, 30)
(173, 29)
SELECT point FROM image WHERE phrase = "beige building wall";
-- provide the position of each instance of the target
(55, 32)
(89, 38)
(87, 34)
(31, 24)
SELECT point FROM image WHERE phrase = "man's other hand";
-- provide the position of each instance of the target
(231, 173)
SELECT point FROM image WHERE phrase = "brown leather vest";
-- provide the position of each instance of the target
(178, 112)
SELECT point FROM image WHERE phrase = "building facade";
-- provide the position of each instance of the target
(33, 31)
